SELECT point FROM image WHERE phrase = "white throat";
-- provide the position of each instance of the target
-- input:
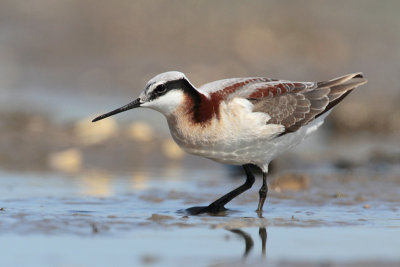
(167, 103)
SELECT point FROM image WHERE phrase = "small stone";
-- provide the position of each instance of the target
(339, 195)
(157, 217)
(360, 198)
(149, 259)
(95, 229)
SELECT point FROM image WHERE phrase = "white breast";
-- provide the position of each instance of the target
(239, 137)
(232, 138)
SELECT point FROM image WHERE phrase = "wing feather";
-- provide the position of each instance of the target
(292, 104)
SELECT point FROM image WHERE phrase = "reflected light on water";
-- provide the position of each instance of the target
(88, 133)
(173, 171)
(139, 181)
(69, 160)
(140, 131)
(171, 150)
(96, 183)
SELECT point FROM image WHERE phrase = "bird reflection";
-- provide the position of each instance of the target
(263, 234)
(249, 243)
(247, 239)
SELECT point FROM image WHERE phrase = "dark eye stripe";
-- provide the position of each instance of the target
(160, 89)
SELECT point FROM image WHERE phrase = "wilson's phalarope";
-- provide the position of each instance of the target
(241, 121)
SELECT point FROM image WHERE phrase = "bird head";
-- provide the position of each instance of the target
(163, 93)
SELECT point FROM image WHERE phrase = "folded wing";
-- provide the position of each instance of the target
(292, 104)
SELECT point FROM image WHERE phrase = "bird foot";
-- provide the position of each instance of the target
(211, 209)
(260, 214)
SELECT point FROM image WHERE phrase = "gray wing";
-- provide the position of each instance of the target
(295, 104)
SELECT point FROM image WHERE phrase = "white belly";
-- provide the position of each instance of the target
(238, 137)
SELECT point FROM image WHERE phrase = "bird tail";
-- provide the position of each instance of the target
(340, 87)
(343, 84)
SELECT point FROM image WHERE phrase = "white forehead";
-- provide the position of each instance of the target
(166, 76)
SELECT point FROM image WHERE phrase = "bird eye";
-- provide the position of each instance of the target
(161, 89)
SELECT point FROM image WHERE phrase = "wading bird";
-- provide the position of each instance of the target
(241, 121)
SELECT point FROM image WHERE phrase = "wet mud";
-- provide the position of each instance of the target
(347, 205)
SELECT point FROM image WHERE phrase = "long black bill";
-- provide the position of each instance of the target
(134, 104)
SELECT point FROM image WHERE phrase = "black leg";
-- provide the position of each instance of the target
(219, 204)
(263, 194)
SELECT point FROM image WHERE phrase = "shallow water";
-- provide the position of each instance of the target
(101, 219)
(204, 247)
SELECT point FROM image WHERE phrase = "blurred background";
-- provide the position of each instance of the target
(63, 62)
(123, 182)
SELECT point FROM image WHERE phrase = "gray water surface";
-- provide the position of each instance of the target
(100, 219)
